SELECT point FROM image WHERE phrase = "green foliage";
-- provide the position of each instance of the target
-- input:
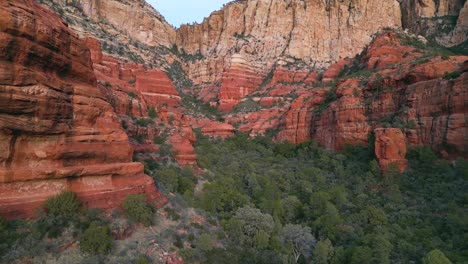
(342, 197)
(436, 257)
(323, 252)
(251, 227)
(8, 235)
(330, 97)
(152, 112)
(175, 179)
(171, 120)
(204, 242)
(64, 204)
(165, 150)
(138, 209)
(96, 239)
(452, 75)
(247, 106)
(158, 140)
(142, 260)
(221, 197)
(299, 239)
(132, 95)
(361, 255)
(50, 225)
(144, 122)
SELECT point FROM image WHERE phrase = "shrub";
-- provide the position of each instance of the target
(8, 235)
(158, 140)
(3, 224)
(138, 209)
(144, 122)
(64, 204)
(452, 75)
(204, 242)
(152, 112)
(142, 260)
(132, 95)
(436, 257)
(96, 239)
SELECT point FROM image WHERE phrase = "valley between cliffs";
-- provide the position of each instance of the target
(107, 100)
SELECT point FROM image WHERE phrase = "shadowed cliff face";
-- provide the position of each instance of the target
(443, 20)
(57, 130)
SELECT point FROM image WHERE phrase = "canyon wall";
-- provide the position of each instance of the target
(58, 132)
(443, 20)
(136, 18)
(265, 65)
(261, 32)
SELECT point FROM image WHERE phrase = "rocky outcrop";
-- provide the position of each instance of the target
(307, 30)
(390, 148)
(237, 82)
(395, 86)
(157, 88)
(459, 34)
(57, 130)
(136, 18)
(182, 144)
(261, 33)
(437, 18)
(217, 129)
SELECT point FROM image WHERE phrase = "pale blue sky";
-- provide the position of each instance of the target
(179, 12)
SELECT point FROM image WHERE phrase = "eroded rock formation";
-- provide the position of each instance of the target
(264, 64)
(58, 132)
(390, 148)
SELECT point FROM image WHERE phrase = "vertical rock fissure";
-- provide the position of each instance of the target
(291, 31)
(268, 13)
(11, 147)
(449, 113)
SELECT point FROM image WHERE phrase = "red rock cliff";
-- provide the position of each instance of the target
(57, 131)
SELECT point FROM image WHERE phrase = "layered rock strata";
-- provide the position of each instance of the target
(57, 130)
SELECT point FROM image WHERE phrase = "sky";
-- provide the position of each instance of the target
(178, 12)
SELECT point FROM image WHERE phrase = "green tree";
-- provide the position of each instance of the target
(252, 226)
(327, 224)
(299, 240)
(291, 208)
(222, 196)
(204, 242)
(96, 239)
(436, 257)
(361, 255)
(64, 204)
(381, 247)
(138, 209)
(323, 252)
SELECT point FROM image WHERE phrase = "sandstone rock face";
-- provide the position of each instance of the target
(344, 121)
(433, 17)
(264, 56)
(303, 29)
(57, 130)
(264, 32)
(237, 82)
(157, 88)
(135, 17)
(418, 98)
(217, 129)
(460, 32)
(390, 148)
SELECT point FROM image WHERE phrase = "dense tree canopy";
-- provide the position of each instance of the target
(356, 213)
